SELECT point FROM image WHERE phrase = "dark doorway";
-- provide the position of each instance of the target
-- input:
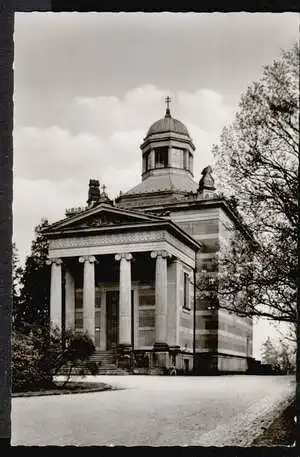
(112, 319)
(186, 365)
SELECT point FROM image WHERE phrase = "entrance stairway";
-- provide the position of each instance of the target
(106, 361)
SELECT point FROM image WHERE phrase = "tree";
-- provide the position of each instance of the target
(17, 272)
(35, 284)
(280, 356)
(269, 353)
(256, 169)
(287, 357)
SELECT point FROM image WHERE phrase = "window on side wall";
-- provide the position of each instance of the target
(186, 291)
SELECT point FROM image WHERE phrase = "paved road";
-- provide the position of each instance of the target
(154, 411)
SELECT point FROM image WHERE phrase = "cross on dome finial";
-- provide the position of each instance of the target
(168, 101)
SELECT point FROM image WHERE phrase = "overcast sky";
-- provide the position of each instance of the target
(89, 85)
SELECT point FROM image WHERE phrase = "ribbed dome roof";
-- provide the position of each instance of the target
(168, 124)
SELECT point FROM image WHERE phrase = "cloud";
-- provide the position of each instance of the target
(100, 138)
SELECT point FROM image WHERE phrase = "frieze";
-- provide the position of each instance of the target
(100, 240)
(129, 242)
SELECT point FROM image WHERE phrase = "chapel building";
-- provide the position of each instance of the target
(126, 271)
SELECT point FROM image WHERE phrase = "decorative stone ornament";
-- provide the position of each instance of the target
(94, 191)
(87, 258)
(207, 181)
(126, 256)
(55, 261)
(163, 254)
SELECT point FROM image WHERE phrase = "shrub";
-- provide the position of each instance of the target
(25, 357)
(39, 356)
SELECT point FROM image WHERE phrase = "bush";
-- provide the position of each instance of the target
(25, 359)
(39, 356)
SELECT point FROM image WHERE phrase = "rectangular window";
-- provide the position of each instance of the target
(187, 160)
(161, 157)
(148, 161)
(186, 291)
(144, 164)
(177, 158)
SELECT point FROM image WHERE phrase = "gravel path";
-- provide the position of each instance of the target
(155, 411)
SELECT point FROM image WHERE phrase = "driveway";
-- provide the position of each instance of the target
(155, 411)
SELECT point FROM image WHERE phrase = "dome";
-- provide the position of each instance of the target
(168, 124)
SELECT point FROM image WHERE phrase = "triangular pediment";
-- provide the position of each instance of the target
(101, 216)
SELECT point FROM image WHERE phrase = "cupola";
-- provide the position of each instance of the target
(167, 147)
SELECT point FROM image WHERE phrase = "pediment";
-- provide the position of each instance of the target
(101, 216)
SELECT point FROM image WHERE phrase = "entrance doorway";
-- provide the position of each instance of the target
(112, 319)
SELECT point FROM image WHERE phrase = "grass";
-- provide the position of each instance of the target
(70, 388)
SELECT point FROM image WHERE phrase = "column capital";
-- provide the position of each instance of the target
(126, 255)
(55, 261)
(164, 254)
(87, 258)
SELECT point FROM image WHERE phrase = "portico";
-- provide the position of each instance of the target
(111, 267)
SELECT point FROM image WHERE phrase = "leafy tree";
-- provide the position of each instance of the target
(287, 357)
(256, 169)
(17, 272)
(281, 355)
(35, 284)
(269, 353)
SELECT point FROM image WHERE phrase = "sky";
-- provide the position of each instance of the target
(89, 85)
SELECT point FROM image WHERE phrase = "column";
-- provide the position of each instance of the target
(69, 300)
(89, 294)
(173, 321)
(161, 299)
(125, 299)
(103, 321)
(56, 293)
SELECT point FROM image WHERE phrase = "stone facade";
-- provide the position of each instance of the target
(126, 271)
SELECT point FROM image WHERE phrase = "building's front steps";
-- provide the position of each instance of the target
(107, 363)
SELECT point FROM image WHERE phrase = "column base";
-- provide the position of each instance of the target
(161, 347)
(174, 351)
(161, 356)
(124, 356)
(161, 361)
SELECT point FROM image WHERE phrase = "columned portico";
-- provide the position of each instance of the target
(125, 299)
(56, 292)
(88, 294)
(123, 307)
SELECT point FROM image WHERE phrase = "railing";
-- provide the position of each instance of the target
(72, 211)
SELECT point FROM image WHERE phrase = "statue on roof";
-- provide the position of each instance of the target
(207, 181)
(94, 191)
